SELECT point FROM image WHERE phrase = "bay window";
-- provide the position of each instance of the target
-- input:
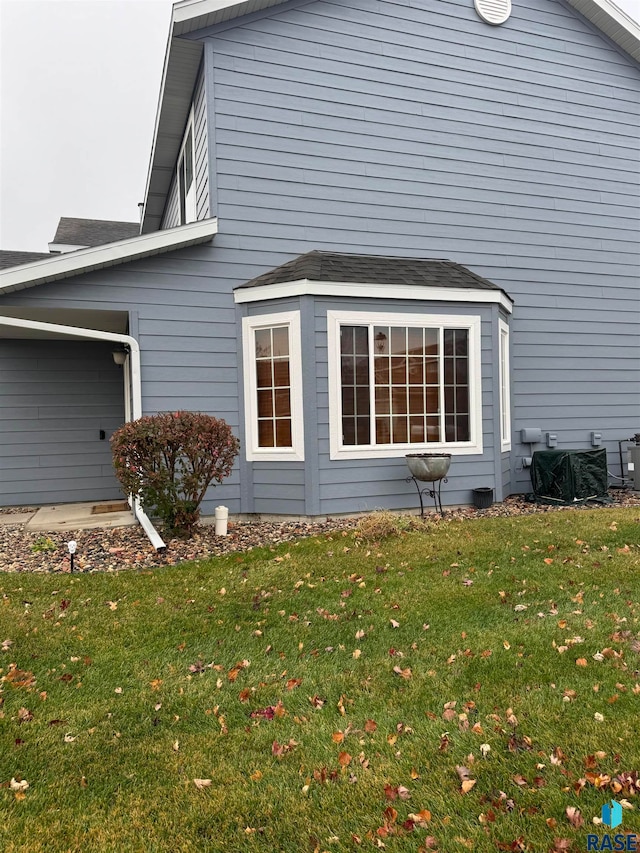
(402, 383)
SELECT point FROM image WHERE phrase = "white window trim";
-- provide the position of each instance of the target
(255, 453)
(190, 210)
(505, 385)
(360, 290)
(460, 448)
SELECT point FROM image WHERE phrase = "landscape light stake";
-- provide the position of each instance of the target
(72, 550)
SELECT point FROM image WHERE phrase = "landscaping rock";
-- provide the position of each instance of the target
(120, 548)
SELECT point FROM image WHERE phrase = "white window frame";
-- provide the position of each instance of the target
(505, 385)
(190, 198)
(336, 319)
(255, 453)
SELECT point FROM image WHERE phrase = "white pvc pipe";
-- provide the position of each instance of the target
(222, 518)
(133, 408)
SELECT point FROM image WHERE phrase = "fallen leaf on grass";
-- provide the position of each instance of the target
(269, 712)
(281, 749)
(466, 781)
(344, 759)
(202, 783)
(370, 727)
(421, 818)
(25, 715)
(403, 673)
(574, 816)
(19, 677)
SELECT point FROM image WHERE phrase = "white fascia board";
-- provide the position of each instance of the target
(112, 254)
(361, 290)
(61, 248)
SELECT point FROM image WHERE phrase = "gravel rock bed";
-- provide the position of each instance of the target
(128, 547)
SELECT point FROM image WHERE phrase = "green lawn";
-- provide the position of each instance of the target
(328, 689)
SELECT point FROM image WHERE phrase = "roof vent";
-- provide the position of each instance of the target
(493, 11)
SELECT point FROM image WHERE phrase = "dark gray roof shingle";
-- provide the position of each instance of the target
(16, 259)
(373, 269)
(93, 232)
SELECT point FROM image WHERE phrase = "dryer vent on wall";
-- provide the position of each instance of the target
(493, 11)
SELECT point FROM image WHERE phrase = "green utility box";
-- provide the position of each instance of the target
(569, 476)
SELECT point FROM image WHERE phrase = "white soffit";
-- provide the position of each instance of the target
(110, 255)
(613, 22)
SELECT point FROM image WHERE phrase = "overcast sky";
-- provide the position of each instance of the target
(79, 83)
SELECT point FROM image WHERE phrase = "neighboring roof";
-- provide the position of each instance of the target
(54, 267)
(183, 56)
(372, 276)
(93, 232)
(372, 269)
(16, 259)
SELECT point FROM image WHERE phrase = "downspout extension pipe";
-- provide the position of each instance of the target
(136, 388)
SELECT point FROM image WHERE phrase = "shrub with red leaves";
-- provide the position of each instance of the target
(170, 460)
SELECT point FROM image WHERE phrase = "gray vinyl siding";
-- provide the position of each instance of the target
(201, 146)
(186, 329)
(413, 128)
(171, 216)
(55, 397)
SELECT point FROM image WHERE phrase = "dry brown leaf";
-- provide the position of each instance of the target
(403, 673)
(574, 816)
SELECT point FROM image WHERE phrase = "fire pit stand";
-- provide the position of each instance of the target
(431, 468)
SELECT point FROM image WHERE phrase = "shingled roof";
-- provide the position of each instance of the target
(373, 269)
(15, 259)
(93, 232)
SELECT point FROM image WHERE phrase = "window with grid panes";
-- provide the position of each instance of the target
(273, 386)
(403, 385)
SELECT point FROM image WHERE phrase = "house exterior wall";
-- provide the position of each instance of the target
(171, 216)
(413, 128)
(405, 128)
(55, 397)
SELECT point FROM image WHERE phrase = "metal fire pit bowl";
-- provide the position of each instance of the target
(429, 468)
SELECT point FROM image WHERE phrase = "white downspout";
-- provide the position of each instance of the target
(134, 377)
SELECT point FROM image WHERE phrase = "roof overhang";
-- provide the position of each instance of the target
(110, 255)
(352, 290)
(613, 22)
